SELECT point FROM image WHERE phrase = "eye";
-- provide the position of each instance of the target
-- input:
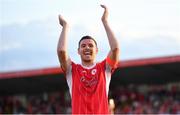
(83, 45)
(91, 45)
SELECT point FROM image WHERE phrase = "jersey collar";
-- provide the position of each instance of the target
(90, 67)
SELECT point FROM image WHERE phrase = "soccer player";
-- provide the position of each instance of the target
(89, 81)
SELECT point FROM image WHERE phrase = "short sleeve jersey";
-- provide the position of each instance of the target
(89, 88)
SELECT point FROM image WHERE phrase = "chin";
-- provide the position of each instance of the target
(87, 59)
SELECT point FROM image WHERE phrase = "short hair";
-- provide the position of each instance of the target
(87, 37)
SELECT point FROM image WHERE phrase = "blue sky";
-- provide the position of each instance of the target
(29, 29)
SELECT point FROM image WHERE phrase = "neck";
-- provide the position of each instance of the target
(87, 64)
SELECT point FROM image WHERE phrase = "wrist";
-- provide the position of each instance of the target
(65, 25)
(105, 22)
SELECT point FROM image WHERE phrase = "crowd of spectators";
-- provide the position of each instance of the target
(44, 103)
(131, 99)
(155, 99)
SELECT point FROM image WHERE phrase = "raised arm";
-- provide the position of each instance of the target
(62, 45)
(114, 46)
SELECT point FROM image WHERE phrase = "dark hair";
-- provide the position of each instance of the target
(87, 37)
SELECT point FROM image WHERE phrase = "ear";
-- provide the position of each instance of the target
(96, 50)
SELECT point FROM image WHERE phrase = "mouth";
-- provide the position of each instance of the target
(87, 53)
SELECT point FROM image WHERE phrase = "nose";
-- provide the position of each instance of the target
(87, 47)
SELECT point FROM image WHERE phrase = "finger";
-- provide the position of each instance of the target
(103, 6)
(60, 17)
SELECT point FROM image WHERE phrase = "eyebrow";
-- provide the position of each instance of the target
(87, 43)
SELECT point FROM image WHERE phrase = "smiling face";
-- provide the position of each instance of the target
(87, 50)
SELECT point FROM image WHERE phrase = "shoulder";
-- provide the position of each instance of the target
(70, 67)
(102, 64)
(108, 64)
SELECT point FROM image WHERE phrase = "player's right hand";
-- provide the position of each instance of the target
(62, 21)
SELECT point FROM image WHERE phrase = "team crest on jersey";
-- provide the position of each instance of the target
(93, 72)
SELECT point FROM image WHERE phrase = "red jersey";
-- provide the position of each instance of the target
(89, 88)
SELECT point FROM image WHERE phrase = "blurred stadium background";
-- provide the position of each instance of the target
(148, 77)
(142, 86)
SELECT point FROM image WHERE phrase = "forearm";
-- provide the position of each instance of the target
(62, 48)
(62, 43)
(111, 37)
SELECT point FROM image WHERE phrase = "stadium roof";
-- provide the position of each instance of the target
(157, 70)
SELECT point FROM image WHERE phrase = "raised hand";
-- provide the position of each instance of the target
(105, 14)
(62, 21)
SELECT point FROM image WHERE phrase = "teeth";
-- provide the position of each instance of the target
(87, 53)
